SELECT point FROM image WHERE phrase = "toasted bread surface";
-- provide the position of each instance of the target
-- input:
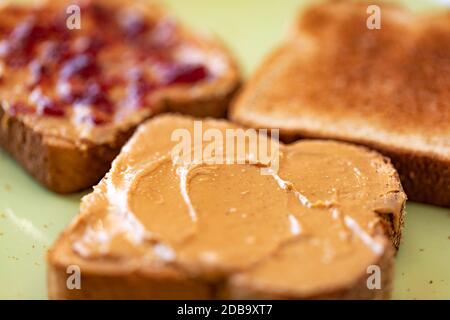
(385, 88)
(85, 90)
(156, 228)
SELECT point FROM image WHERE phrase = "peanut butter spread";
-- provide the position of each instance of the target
(322, 216)
(120, 65)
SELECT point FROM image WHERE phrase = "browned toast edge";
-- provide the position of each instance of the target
(135, 285)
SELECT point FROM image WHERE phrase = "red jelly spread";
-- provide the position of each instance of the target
(118, 59)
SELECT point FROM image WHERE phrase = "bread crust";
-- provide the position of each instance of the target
(100, 285)
(65, 166)
(58, 164)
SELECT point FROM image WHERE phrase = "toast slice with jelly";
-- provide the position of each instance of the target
(74, 87)
(222, 217)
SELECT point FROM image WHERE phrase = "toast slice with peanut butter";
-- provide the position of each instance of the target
(77, 77)
(337, 76)
(212, 211)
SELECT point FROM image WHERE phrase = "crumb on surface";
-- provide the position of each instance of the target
(421, 249)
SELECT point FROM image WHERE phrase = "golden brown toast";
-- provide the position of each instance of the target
(70, 98)
(159, 226)
(388, 89)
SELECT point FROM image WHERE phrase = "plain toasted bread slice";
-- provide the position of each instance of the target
(70, 98)
(386, 88)
(159, 228)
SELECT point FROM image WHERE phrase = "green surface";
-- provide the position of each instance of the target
(31, 217)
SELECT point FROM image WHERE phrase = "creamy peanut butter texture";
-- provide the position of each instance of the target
(329, 212)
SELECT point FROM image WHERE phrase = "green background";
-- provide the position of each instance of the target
(31, 217)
